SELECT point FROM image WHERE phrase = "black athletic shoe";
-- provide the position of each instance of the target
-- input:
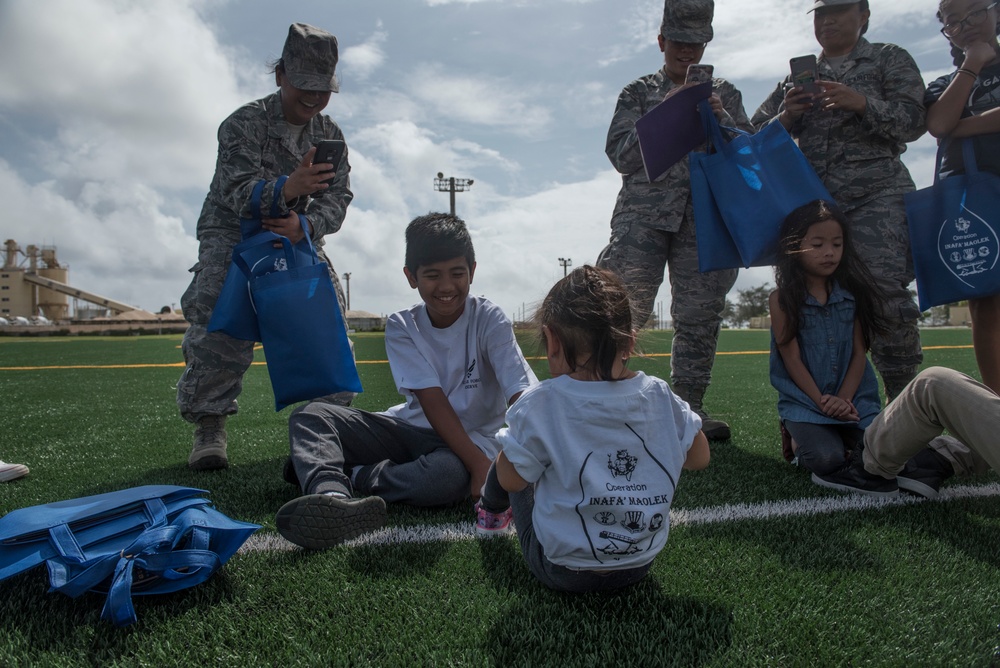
(924, 473)
(319, 521)
(854, 478)
(288, 473)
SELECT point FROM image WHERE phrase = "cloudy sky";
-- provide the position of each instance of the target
(109, 111)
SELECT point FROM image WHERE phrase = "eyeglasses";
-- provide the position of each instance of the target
(694, 46)
(971, 19)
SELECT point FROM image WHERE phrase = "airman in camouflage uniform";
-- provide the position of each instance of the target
(857, 155)
(264, 139)
(652, 226)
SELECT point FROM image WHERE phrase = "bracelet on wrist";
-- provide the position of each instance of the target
(965, 70)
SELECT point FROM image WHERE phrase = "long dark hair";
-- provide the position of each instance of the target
(957, 55)
(589, 310)
(851, 273)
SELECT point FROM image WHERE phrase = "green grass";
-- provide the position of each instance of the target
(912, 585)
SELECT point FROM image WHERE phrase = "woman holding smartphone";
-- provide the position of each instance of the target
(264, 139)
(868, 107)
(652, 226)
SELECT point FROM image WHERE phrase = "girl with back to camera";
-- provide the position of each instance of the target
(966, 104)
(591, 457)
(824, 314)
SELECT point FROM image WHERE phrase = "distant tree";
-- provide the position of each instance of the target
(751, 303)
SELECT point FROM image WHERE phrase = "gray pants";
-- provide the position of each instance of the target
(216, 362)
(553, 576)
(639, 254)
(403, 463)
(936, 400)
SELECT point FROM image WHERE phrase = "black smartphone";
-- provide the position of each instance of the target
(805, 74)
(331, 151)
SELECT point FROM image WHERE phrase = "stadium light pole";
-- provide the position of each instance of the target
(347, 278)
(566, 262)
(451, 185)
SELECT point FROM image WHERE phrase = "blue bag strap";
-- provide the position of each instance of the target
(290, 255)
(968, 158)
(66, 545)
(251, 226)
(713, 131)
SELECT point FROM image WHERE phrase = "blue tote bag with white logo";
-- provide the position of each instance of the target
(755, 180)
(301, 326)
(954, 227)
(234, 313)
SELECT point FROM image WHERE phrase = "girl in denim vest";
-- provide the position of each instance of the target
(825, 312)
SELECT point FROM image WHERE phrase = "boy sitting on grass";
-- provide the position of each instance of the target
(455, 360)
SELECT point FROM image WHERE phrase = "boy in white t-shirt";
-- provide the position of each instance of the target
(455, 360)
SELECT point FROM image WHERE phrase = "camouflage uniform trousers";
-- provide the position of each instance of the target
(216, 362)
(639, 253)
(882, 241)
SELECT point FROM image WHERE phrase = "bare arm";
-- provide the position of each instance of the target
(944, 117)
(508, 476)
(699, 454)
(443, 418)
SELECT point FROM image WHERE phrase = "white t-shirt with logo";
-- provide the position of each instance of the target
(476, 362)
(605, 458)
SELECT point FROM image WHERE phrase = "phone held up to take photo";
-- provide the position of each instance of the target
(329, 151)
(698, 73)
(805, 74)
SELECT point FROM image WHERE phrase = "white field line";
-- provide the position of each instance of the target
(272, 542)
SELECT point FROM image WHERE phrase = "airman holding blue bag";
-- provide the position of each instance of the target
(266, 139)
(652, 227)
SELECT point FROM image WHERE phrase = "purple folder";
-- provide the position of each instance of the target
(671, 129)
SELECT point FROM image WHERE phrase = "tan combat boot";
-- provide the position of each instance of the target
(715, 430)
(209, 451)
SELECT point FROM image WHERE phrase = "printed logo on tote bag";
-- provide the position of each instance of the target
(968, 246)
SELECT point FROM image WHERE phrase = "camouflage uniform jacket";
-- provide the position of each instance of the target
(857, 157)
(662, 203)
(254, 144)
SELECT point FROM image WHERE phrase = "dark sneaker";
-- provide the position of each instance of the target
(924, 472)
(715, 430)
(788, 445)
(854, 478)
(209, 450)
(319, 521)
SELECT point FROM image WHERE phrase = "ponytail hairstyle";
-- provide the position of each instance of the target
(957, 55)
(590, 311)
(852, 273)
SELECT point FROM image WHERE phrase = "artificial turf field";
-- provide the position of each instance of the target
(762, 568)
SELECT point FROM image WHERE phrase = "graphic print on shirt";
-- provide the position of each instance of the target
(625, 501)
(470, 382)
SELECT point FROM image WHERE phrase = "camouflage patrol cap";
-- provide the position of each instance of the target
(688, 20)
(310, 58)
(832, 3)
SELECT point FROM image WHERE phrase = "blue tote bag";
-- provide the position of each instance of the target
(233, 312)
(716, 248)
(755, 180)
(302, 328)
(954, 227)
(154, 539)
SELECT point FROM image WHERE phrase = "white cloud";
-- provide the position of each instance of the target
(361, 60)
(487, 101)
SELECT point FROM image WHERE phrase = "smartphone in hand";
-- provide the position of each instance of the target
(698, 73)
(330, 151)
(806, 74)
